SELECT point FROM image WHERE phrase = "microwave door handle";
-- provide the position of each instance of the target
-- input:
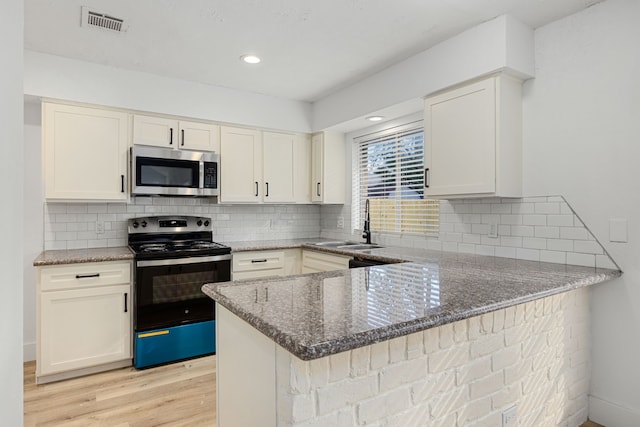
(201, 179)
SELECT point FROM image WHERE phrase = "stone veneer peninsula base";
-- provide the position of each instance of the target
(533, 355)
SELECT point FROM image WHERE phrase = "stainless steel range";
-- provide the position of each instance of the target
(174, 257)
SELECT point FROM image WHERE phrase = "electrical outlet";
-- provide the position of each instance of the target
(510, 417)
(340, 222)
(99, 227)
(493, 229)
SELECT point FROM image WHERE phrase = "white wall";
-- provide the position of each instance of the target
(33, 221)
(56, 77)
(11, 42)
(582, 140)
(500, 44)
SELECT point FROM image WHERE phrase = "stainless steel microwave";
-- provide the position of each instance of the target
(168, 172)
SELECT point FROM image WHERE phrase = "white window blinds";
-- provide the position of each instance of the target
(388, 170)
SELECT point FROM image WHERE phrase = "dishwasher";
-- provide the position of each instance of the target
(363, 262)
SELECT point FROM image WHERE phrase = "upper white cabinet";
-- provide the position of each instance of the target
(85, 153)
(263, 167)
(327, 168)
(240, 165)
(473, 140)
(180, 134)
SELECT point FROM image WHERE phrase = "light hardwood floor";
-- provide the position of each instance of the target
(181, 394)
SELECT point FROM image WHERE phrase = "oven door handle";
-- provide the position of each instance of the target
(179, 261)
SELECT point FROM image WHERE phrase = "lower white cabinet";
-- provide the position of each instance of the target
(314, 261)
(257, 264)
(84, 319)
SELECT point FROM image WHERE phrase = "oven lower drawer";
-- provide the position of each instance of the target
(157, 347)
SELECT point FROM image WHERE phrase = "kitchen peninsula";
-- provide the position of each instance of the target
(445, 339)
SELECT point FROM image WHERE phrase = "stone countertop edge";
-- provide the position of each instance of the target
(77, 256)
(361, 339)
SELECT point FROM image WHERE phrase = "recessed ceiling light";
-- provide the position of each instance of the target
(250, 59)
(375, 118)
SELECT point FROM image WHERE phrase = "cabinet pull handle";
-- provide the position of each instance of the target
(267, 194)
(318, 189)
(182, 131)
(256, 295)
(256, 188)
(122, 183)
(426, 177)
(87, 276)
(256, 261)
(170, 136)
(266, 294)
(125, 302)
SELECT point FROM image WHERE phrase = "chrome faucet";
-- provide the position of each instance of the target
(366, 233)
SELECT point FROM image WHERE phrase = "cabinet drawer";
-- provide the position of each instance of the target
(72, 276)
(257, 261)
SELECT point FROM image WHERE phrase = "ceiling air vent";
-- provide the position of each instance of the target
(96, 19)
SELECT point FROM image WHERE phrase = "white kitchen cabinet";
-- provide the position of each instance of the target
(258, 264)
(292, 261)
(328, 168)
(240, 165)
(314, 261)
(178, 134)
(85, 153)
(84, 319)
(473, 140)
(264, 167)
(277, 161)
(302, 168)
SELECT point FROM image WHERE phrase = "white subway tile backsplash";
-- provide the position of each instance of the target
(560, 245)
(534, 220)
(586, 260)
(574, 233)
(547, 208)
(546, 232)
(560, 220)
(531, 228)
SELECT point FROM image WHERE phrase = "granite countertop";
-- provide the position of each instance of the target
(262, 245)
(319, 314)
(74, 256)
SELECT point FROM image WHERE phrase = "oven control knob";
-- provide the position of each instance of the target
(135, 224)
(199, 223)
(206, 222)
(144, 224)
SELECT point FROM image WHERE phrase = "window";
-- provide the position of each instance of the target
(388, 170)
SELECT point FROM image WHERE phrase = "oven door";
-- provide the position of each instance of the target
(168, 291)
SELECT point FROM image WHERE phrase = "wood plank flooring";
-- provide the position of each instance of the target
(181, 394)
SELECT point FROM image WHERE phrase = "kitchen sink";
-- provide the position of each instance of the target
(359, 246)
(334, 244)
(355, 246)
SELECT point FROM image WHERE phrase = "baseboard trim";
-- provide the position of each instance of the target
(610, 414)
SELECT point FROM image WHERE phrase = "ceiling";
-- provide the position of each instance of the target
(309, 48)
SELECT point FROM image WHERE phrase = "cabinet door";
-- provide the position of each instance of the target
(313, 261)
(156, 131)
(302, 169)
(84, 327)
(199, 136)
(240, 165)
(317, 163)
(85, 153)
(277, 152)
(460, 138)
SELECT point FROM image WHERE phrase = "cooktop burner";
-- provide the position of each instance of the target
(173, 236)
